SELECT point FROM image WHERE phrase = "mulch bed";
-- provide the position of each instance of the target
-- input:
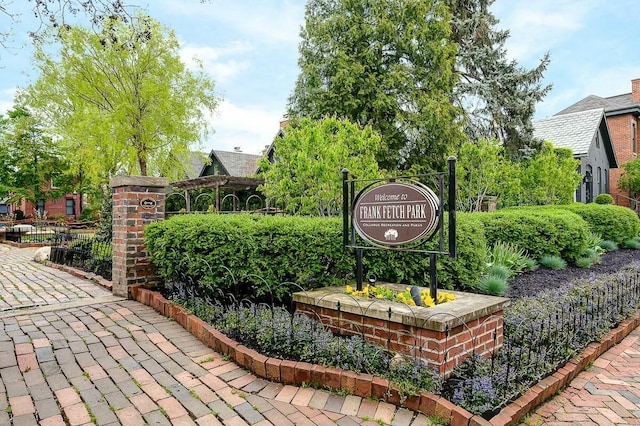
(532, 283)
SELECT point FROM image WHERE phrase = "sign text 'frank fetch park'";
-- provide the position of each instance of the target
(395, 214)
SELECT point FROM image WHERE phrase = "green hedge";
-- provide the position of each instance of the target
(461, 273)
(307, 251)
(611, 222)
(539, 230)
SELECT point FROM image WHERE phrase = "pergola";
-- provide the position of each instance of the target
(233, 183)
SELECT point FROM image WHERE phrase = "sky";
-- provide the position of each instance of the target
(250, 49)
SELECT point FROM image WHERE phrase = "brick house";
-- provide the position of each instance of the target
(586, 133)
(68, 206)
(622, 113)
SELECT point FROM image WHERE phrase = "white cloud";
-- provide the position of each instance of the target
(217, 61)
(587, 81)
(536, 27)
(246, 126)
(266, 20)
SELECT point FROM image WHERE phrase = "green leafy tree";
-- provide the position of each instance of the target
(385, 63)
(29, 161)
(630, 179)
(306, 174)
(498, 96)
(120, 100)
(481, 169)
(485, 168)
(549, 177)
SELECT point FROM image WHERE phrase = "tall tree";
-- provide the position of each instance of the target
(120, 100)
(387, 63)
(497, 95)
(308, 159)
(31, 166)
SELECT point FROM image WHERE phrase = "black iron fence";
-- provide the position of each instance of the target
(36, 232)
(206, 204)
(84, 251)
(540, 333)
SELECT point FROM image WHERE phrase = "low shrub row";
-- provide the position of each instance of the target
(303, 250)
(561, 230)
(540, 231)
(309, 252)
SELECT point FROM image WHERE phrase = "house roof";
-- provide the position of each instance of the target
(196, 163)
(237, 164)
(576, 131)
(612, 105)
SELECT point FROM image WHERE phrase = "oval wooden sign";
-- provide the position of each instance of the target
(394, 214)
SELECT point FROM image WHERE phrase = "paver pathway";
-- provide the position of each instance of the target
(608, 393)
(71, 353)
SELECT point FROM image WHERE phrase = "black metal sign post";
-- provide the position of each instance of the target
(399, 215)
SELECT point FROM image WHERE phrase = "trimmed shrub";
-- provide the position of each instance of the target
(302, 250)
(553, 262)
(611, 222)
(461, 273)
(540, 231)
(604, 199)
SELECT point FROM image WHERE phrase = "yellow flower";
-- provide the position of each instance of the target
(348, 289)
(444, 297)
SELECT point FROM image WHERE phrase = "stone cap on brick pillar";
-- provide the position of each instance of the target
(148, 181)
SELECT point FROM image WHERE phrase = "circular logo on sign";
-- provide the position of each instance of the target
(148, 203)
(394, 214)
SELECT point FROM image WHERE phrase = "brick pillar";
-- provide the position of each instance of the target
(635, 90)
(137, 202)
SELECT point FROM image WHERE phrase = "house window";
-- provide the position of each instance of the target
(633, 137)
(40, 207)
(71, 206)
(599, 177)
(606, 181)
(598, 140)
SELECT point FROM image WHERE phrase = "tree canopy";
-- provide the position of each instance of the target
(630, 178)
(386, 63)
(31, 166)
(484, 168)
(120, 100)
(497, 95)
(306, 172)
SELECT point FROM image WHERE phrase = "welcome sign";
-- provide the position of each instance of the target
(395, 214)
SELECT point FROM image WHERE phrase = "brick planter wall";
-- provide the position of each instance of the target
(443, 336)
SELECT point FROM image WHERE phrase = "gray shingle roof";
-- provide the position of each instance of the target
(610, 104)
(238, 164)
(195, 164)
(574, 130)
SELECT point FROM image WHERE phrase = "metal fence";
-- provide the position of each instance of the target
(231, 203)
(540, 334)
(84, 251)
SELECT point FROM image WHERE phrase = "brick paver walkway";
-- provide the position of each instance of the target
(607, 393)
(71, 353)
